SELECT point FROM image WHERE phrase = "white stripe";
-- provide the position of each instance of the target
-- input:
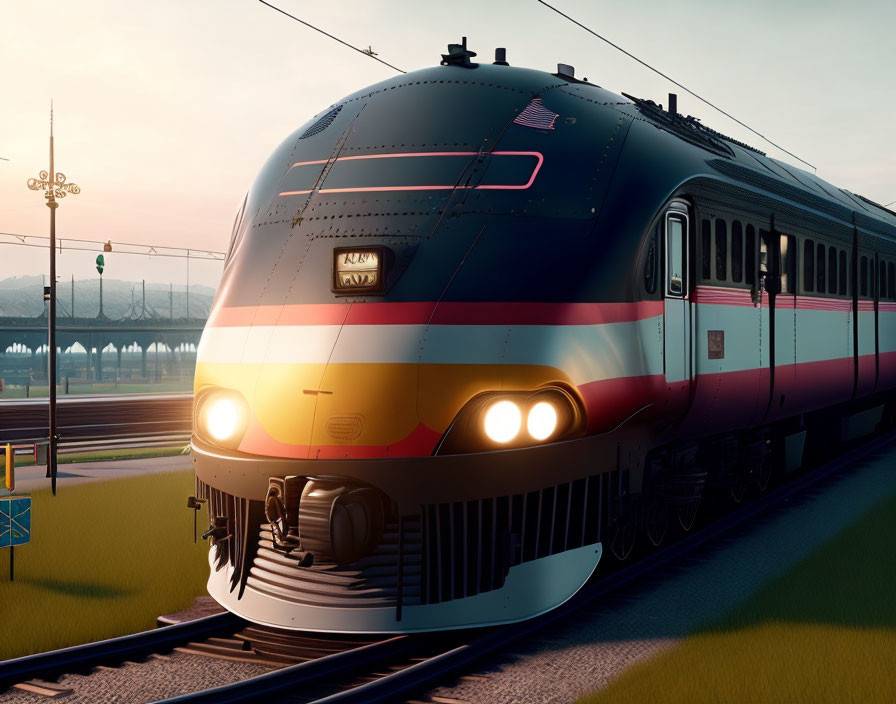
(584, 352)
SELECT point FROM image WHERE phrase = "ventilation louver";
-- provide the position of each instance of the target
(322, 123)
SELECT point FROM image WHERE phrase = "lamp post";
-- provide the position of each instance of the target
(54, 186)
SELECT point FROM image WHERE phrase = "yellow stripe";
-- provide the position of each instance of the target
(390, 399)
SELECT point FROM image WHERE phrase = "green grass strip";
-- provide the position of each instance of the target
(825, 631)
(123, 453)
(105, 559)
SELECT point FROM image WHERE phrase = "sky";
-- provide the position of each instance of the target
(165, 111)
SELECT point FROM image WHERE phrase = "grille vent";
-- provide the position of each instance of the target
(470, 546)
(371, 582)
(240, 519)
(344, 427)
(321, 124)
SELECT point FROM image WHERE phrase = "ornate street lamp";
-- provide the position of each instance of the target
(54, 186)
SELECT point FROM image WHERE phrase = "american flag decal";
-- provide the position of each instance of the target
(537, 116)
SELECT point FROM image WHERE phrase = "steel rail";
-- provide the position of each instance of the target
(113, 649)
(91, 418)
(303, 674)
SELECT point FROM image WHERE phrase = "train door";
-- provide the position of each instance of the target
(758, 249)
(865, 336)
(785, 393)
(777, 267)
(677, 313)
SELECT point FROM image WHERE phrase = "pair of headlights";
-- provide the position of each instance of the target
(504, 420)
(489, 421)
(496, 420)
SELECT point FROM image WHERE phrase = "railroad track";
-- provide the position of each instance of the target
(321, 668)
(93, 418)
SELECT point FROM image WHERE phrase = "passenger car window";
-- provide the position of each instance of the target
(809, 265)
(721, 249)
(832, 270)
(843, 286)
(819, 270)
(751, 255)
(863, 276)
(737, 252)
(706, 249)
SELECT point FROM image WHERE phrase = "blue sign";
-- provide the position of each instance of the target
(15, 520)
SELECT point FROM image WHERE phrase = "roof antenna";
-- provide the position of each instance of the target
(459, 55)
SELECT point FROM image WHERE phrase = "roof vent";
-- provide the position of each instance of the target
(673, 104)
(566, 71)
(501, 57)
(322, 123)
(458, 55)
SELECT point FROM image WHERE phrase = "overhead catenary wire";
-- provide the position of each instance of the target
(672, 80)
(892, 202)
(368, 54)
(71, 243)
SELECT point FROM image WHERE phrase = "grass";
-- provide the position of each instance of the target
(12, 392)
(124, 453)
(105, 559)
(823, 632)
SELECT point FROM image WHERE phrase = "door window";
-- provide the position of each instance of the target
(676, 228)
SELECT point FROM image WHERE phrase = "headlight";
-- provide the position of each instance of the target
(502, 421)
(542, 420)
(494, 420)
(221, 417)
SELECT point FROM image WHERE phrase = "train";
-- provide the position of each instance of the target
(481, 325)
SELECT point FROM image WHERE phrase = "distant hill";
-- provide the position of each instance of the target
(22, 297)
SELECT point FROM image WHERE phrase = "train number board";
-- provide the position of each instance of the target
(15, 520)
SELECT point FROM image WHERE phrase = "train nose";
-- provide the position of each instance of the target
(367, 403)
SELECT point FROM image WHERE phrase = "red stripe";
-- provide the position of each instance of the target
(446, 313)
(715, 295)
(420, 443)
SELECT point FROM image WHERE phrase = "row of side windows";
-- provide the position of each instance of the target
(824, 268)
(714, 251)
(727, 250)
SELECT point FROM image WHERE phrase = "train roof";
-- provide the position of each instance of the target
(731, 161)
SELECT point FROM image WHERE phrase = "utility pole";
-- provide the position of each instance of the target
(54, 186)
(188, 284)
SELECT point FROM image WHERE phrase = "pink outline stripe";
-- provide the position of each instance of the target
(376, 189)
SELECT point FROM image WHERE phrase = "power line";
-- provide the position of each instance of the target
(890, 203)
(118, 248)
(368, 53)
(672, 80)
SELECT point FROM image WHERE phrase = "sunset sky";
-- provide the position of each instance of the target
(166, 110)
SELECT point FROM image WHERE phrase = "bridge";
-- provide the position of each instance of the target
(95, 333)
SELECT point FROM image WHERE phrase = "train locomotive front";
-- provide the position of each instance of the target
(419, 395)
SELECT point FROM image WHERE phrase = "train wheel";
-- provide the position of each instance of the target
(687, 514)
(738, 490)
(657, 523)
(764, 475)
(622, 538)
